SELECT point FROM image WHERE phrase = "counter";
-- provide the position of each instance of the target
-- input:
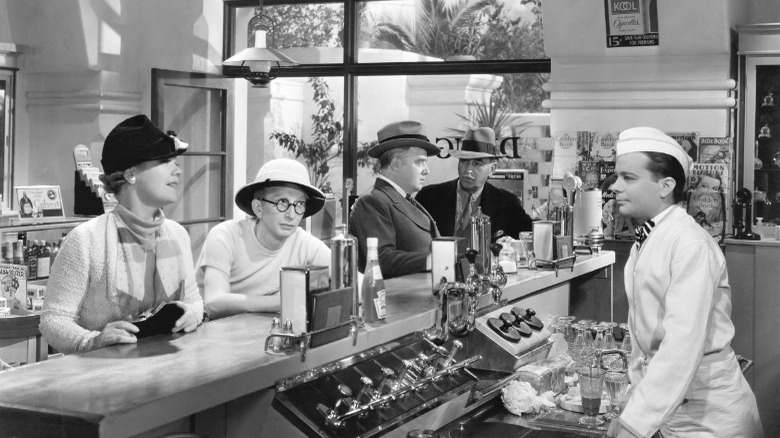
(126, 390)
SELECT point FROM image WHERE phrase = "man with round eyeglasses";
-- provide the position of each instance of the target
(238, 268)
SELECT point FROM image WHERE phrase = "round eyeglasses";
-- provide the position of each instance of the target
(284, 204)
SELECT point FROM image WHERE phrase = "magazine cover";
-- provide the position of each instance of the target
(14, 285)
(602, 146)
(708, 209)
(689, 142)
(589, 173)
(712, 177)
(709, 185)
(606, 168)
(615, 225)
(583, 145)
(715, 150)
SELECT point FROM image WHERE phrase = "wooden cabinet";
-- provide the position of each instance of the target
(755, 298)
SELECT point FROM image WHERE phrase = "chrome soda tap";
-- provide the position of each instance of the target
(497, 277)
(403, 374)
(342, 404)
(365, 391)
(438, 333)
(475, 288)
(456, 345)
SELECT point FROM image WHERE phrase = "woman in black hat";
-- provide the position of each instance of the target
(113, 268)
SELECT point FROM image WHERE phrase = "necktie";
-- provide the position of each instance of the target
(642, 232)
(463, 220)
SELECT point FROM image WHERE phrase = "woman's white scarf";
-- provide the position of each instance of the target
(129, 243)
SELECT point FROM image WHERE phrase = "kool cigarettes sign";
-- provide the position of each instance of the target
(631, 23)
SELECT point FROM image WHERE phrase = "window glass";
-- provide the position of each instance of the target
(447, 106)
(456, 30)
(301, 118)
(201, 185)
(308, 33)
(6, 134)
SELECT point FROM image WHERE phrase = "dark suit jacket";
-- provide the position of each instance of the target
(404, 231)
(504, 209)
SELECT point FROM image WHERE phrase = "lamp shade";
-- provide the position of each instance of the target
(258, 54)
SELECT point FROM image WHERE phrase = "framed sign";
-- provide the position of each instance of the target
(37, 202)
(631, 23)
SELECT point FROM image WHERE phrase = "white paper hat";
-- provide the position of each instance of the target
(645, 139)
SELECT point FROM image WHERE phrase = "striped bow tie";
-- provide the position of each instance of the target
(642, 232)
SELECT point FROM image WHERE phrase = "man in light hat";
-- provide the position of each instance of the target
(685, 377)
(238, 268)
(453, 202)
(390, 213)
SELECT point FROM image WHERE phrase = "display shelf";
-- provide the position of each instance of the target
(45, 224)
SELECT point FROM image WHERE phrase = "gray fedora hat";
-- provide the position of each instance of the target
(478, 143)
(401, 134)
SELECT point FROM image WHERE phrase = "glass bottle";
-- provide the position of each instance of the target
(55, 249)
(25, 206)
(7, 252)
(31, 259)
(18, 253)
(44, 260)
(373, 287)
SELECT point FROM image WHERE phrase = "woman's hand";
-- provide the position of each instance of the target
(189, 321)
(117, 332)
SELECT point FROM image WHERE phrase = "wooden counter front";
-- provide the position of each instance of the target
(125, 390)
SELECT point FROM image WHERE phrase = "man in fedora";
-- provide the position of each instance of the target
(452, 203)
(389, 212)
(238, 268)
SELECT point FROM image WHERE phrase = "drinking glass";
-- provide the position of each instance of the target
(609, 336)
(568, 331)
(591, 384)
(626, 344)
(617, 388)
(599, 343)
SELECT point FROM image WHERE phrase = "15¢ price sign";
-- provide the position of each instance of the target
(631, 23)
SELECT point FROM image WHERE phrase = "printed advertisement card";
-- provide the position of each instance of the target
(37, 202)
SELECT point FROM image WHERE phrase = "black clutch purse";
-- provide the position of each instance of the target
(160, 321)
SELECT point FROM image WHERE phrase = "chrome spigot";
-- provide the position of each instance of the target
(365, 391)
(343, 403)
(497, 277)
(387, 381)
(403, 374)
(456, 345)
(438, 333)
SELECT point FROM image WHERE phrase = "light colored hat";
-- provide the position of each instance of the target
(401, 134)
(478, 143)
(280, 172)
(644, 139)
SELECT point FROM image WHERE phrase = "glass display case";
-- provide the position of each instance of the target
(759, 50)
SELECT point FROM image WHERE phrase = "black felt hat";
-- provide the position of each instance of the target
(136, 140)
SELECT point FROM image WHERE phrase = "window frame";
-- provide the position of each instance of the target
(8, 141)
(351, 69)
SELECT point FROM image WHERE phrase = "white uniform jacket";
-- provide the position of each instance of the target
(680, 323)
